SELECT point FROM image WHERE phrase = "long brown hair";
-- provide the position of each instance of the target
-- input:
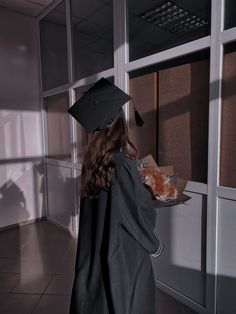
(98, 162)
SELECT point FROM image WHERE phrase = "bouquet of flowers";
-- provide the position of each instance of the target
(166, 188)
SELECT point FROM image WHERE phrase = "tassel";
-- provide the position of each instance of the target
(139, 121)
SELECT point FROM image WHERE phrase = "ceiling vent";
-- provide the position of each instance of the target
(171, 17)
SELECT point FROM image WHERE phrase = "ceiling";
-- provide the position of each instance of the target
(29, 7)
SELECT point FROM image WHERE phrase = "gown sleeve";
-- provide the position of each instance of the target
(137, 209)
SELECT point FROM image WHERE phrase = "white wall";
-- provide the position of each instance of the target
(21, 189)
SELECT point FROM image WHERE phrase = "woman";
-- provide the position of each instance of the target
(113, 270)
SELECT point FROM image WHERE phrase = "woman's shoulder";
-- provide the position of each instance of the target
(123, 160)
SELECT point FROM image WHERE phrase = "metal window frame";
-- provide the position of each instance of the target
(122, 67)
(168, 54)
(214, 153)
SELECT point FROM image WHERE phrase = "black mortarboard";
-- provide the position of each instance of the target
(99, 105)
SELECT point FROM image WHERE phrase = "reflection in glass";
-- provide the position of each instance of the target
(58, 128)
(228, 130)
(173, 99)
(230, 13)
(158, 25)
(54, 48)
(92, 24)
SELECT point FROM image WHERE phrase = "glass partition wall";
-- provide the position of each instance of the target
(53, 44)
(177, 60)
(173, 98)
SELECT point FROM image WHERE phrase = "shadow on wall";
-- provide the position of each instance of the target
(21, 196)
(12, 203)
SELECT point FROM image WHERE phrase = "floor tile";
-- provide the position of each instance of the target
(3, 297)
(66, 267)
(53, 304)
(60, 284)
(10, 244)
(10, 265)
(31, 283)
(19, 304)
(8, 282)
(36, 258)
(41, 265)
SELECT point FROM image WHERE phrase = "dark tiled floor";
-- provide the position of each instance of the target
(36, 269)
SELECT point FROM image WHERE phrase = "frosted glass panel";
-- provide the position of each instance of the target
(226, 281)
(182, 265)
(58, 128)
(60, 195)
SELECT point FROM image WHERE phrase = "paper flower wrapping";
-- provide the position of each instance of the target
(161, 184)
(167, 188)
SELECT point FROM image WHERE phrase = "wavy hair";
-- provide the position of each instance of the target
(98, 165)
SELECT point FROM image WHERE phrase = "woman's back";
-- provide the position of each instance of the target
(113, 271)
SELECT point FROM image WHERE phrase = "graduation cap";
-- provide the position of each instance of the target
(100, 106)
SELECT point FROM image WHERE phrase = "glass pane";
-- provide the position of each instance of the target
(226, 258)
(60, 195)
(158, 25)
(183, 228)
(230, 13)
(173, 99)
(58, 127)
(228, 130)
(92, 24)
(82, 135)
(53, 45)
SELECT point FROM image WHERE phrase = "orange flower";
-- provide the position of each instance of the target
(162, 186)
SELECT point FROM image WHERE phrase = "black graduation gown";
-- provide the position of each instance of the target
(113, 270)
